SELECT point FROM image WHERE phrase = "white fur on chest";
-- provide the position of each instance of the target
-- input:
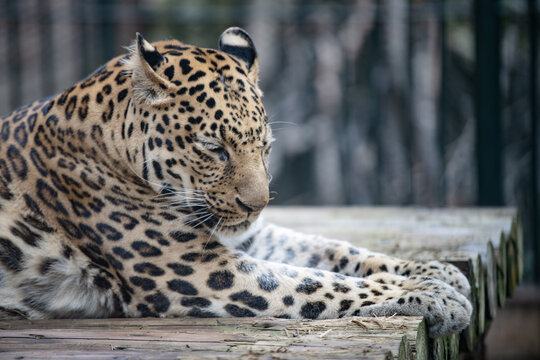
(235, 241)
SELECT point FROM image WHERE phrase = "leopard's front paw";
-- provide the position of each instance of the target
(447, 273)
(445, 309)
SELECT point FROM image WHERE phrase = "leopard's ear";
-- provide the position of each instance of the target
(148, 86)
(237, 42)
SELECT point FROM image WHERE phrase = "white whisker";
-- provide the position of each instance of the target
(212, 233)
(205, 218)
(282, 122)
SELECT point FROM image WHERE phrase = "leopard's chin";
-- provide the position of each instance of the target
(234, 227)
(237, 224)
(233, 223)
(230, 224)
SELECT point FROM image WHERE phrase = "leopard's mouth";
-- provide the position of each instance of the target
(231, 220)
(237, 224)
(201, 212)
(233, 229)
(230, 223)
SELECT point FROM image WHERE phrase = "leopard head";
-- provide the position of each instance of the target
(201, 128)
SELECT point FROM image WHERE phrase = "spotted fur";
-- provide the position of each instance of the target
(137, 191)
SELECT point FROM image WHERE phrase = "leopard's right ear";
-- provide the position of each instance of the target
(237, 42)
(148, 86)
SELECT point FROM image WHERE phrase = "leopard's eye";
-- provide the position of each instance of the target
(222, 153)
(218, 149)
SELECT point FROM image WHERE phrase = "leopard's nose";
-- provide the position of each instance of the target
(251, 207)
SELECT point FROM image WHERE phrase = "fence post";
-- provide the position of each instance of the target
(80, 16)
(106, 18)
(487, 103)
(14, 51)
(533, 79)
(47, 63)
(375, 113)
(440, 10)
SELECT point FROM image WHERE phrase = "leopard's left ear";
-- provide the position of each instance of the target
(237, 42)
(148, 86)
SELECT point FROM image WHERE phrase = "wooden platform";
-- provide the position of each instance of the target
(485, 243)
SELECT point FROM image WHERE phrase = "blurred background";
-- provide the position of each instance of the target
(373, 102)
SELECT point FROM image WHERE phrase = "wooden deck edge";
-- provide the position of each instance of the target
(373, 338)
(494, 269)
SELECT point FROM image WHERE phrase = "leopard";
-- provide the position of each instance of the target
(137, 192)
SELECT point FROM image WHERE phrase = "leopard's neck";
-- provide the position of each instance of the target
(88, 122)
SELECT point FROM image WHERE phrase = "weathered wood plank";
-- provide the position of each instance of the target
(376, 338)
(471, 332)
(119, 354)
(486, 244)
(420, 233)
(501, 270)
(481, 295)
(491, 280)
(518, 236)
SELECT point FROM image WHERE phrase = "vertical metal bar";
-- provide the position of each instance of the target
(487, 103)
(143, 18)
(409, 133)
(348, 82)
(441, 115)
(47, 63)
(533, 78)
(106, 15)
(376, 118)
(14, 54)
(80, 19)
